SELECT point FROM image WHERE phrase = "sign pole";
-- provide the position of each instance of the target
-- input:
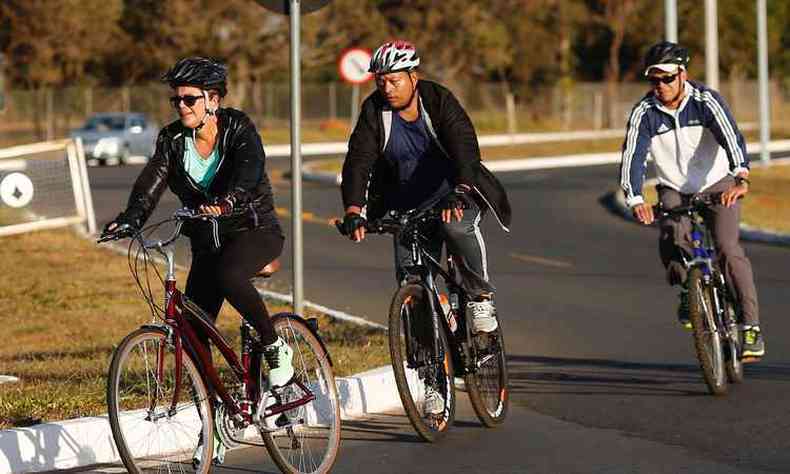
(296, 159)
(762, 61)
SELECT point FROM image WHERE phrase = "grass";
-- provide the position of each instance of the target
(767, 205)
(67, 303)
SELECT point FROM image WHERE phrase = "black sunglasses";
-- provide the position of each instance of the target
(666, 79)
(189, 100)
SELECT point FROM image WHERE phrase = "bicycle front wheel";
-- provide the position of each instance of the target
(156, 427)
(732, 354)
(312, 439)
(707, 337)
(487, 387)
(417, 368)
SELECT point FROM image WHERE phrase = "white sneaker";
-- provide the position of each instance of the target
(279, 356)
(482, 315)
(433, 403)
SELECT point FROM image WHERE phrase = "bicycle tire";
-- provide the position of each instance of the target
(488, 387)
(707, 340)
(136, 395)
(309, 448)
(412, 300)
(734, 364)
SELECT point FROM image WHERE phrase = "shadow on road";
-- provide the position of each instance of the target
(382, 427)
(567, 375)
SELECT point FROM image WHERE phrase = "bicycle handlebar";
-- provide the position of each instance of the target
(395, 221)
(697, 203)
(181, 215)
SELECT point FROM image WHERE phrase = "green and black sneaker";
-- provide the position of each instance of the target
(753, 345)
(683, 310)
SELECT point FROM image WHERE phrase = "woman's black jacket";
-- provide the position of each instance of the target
(241, 179)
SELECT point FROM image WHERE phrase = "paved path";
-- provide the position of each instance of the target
(603, 379)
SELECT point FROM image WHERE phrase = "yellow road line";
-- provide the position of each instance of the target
(541, 261)
(307, 216)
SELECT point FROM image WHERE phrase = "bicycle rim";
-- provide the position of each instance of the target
(488, 391)
(312, 443)
(707, 339)
(151, 433)
(411, 350)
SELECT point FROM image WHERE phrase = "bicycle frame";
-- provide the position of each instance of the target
(426, 267)
(182, 334)
(703, 256)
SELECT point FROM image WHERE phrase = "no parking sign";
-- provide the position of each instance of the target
(353, 65)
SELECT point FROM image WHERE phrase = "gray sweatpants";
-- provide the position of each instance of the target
(465, 243)
(723, 222)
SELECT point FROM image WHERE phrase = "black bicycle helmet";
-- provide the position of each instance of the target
(666, 52)
(205, 73)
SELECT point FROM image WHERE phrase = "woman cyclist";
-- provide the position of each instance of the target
(213, 160)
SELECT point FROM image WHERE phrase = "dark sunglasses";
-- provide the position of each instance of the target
(189, 100)
(666, 79)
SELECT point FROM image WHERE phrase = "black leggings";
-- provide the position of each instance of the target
(215, 277)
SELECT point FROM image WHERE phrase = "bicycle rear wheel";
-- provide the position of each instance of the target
(412, 354)
(154, 429)
(707, 337)
(487, 387)
(312, 439)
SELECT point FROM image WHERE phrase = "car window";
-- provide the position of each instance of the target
(105, 123)
(136, 122)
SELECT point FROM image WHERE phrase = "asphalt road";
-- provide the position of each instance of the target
(602, 377)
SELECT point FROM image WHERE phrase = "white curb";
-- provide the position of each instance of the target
(547, 162)
(88, 441)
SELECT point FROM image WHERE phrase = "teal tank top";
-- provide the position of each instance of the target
(200, 169)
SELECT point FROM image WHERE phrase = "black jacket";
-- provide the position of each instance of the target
(368, 177)
(241, 178)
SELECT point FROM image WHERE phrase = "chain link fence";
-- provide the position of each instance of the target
(47, 114)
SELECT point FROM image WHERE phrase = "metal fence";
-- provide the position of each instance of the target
(495, 108)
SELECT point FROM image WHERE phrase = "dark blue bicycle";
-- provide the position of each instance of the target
(712, 306)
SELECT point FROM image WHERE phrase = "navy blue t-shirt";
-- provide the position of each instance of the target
(423, 172)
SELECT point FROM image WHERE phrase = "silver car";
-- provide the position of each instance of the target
(110, 138)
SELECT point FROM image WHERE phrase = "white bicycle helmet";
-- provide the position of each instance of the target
(394, 56)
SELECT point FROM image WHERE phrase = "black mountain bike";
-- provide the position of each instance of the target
(713, 310)
(430, 338)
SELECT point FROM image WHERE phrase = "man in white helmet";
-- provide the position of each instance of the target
(413, 147)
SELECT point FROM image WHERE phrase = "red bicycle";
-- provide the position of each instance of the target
(166, 398)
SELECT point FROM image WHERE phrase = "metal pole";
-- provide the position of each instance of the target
(671, 20)
(762, 62)
(711, 45)
(296, 157)
(354, 104)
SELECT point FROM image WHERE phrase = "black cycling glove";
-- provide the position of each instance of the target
(225, 204)
(124, 226)
(351, 222)
(458, 199)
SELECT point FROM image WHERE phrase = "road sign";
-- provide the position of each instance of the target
(284, 6)
(354, 64)
(16, 190)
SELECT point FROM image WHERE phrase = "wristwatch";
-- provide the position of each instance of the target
(739, 180)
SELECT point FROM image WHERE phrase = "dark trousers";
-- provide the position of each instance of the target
(465, 243)
(227, 274)
(723, 222)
